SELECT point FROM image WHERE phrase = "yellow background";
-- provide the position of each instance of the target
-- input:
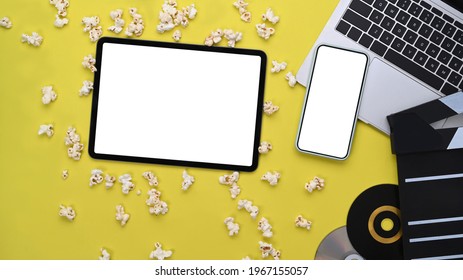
(31, 187)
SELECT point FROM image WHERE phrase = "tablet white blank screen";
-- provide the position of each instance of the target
(177, 104)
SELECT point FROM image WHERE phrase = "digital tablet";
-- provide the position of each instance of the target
(177, 104)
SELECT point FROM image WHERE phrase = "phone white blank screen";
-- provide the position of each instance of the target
(332, 100)
(177, 104)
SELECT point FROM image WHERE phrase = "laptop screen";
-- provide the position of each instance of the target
(457, 4)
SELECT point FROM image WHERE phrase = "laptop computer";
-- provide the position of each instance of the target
(415, 49)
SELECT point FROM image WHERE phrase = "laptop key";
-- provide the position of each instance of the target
(366, 40)
(398, 30)
(432, 65)
(361, 8)
(392, 1)
(420, 58)
(455, 64)
(454, 78)
(354, 34)
(375, 31)
(398, 44)
(368, 1)
(410, 37)
(437, 23)
(380, 5)
(387, 23)
(391, 10)
(459, 24)
(436, 38)
(426, 16)
(432, 50)
(343, 27)
(376, 17)
(448, 44)
(426, 5)
(415, 10)
(458, 36)
(443, 72)
(386, 38)
(448, 89)
(378, 48)
(444, 57)
(404, 4)
(413, 69)
(437, 11)
(421, 43)
(403, 17)
(356, 20)
(448, 18)
(409, 51)
(414, 24)
(458, 51)
(449, 30)
(425, 31)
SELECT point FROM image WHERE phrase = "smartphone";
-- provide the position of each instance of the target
(332, 102)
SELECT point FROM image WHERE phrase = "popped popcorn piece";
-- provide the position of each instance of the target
(302, 222)
(126, 181)
(242, 6)
(138, 192)
(34, 39)
(317, 183)
(61, 6)
(121, 215)
(233, 228)
(247, 205)
(105, 256)
(89, 62)
(267, 250)
(157, 206)
(136, 26)
(6, 22)
(264, 31)
(235, 191)
(232, 37)
(270, 16)
(170, 16)
(177, 35)
(96, 178)
(291, 79)
(277, 67)
(152, 180)
(158, 253)
(48, 95)
(116, 15)
(109, 181)
(72, 140)
(46, 129)
(65, 174)
(90, 23)
(60, 22)
(187, 180)
(229, 179)
(271, 178)
(75, 152)
(265, 147)
(191, 11)
(214, 38)
(87, 87)
(95, 33)
(247, 258)
(67, 211)
(265, 227)
(269, 108)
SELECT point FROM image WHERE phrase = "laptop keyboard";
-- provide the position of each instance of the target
(412, 35)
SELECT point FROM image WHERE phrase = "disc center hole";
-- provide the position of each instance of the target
(387, 224)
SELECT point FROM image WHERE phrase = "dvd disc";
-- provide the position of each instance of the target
(336, 246)
(373, 223)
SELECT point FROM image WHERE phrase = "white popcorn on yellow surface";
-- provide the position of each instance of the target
(152, 180)
(315, 184)
(46, 129)
(159, 253)
(95, 34)
(229, 179)
(96, 177)
(232, 37)
(67, 211)
(72, 140)
(87, 87)
(48, 95)
(187, 180)
(61, 6)
(247, 205)
(265, 147)
(121, 216)
(156, 205)
(272, 178)
(60, 22)
(137, 25)
(109, 181)
(277, 67)
(105, 256)
(65, 174)
(302, 222)
(265, 227)
(126, 183)
(214, 38)
(34, 39)
(270, 16)
(234, 190)
(267, 250)
(71, 136)
(269, 108)
(170, 16)
(233, 228)
(177, 35)
(89, 63)
(119, 23)
(242, 6)
(291, 79)
(264, 31)
(6, 22)
(90, 23)
(138, 192)
(75, 152)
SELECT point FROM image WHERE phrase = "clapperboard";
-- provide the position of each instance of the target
(430, 170)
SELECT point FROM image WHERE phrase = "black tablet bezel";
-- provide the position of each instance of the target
(96, 88)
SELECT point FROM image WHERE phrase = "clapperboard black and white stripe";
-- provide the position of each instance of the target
(430, 169)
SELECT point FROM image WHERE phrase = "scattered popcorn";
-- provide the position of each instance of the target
(65, 174)
(126, 181)
(75, 152)
(87, 87)
(270, 16)
(95, 33)
(177, 35)
(46, 129)
(269, 108)
(48, 95)
(136, 26)
(233, 228)
(67, 211)
(317, 183)
(96, 178)
(291, 79)
(152, 180)
(271, 178)
(265, 147)
(60, 22)
(247, 258)
(121, 215)
(231, 181)
(170, 16)
(71, 136)
(89, 62)
(187, 180)
(268, 250)
(61, 6)
(116, 15)
(35, 39)
(157, 206)
(232, 37)
(235, 191)
(214, 38)
(252, 209)
(72, 140)
(160, 254)
(265, 227)
(6, 22)
(263, 31)
(303, 223)
(105, 256)
(241, 5)
(109, 181)
(92, 27)
(277, 67)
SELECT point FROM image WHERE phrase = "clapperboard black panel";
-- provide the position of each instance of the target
(430, 169)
